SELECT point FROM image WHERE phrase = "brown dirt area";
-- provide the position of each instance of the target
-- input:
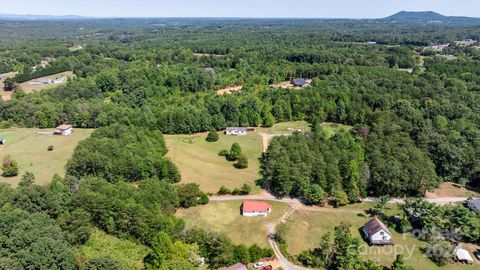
(449, 189)
(230, 89)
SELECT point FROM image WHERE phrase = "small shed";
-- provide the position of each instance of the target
(463, 256)
(300, 82)
(236, 131)
(474, 205)
(377, 233)
(238, 266)
(3, 140)
(64, 130)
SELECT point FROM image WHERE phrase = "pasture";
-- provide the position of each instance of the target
(29, 148)
(199, 162)
(224, 217)
(305, 229)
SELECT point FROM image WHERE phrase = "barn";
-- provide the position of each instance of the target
(256, 208)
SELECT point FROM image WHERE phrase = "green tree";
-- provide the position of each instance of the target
(399, 263)
(235, 152)
(162, 248)
(102, 263)
(242, 162)
(9, 167)
(212, 136)
(9, 84)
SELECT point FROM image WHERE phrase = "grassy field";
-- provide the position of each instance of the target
(285, 127)
(29, 88)
(30, 150)
(449, 189)
(199, 162)
(307, 227)
(101, 244)
(225, 217)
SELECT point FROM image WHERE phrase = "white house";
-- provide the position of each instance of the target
(463, 256)
(256, 208)
(64, 130)
(236, 131)
(377, 233)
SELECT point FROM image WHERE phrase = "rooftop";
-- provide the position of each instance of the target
(256, 206)
(374, 225)
(238, 266)
(63, 127)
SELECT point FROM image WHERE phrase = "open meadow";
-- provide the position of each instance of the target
(199, 162)
(225, 217)
(29, 148)
(305, 229)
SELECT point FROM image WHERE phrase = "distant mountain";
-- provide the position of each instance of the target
(429, 17)
(417, 15)
(30, 17)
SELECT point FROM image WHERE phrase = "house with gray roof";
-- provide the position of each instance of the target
(376, 233)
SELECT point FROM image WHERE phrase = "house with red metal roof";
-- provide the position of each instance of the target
(256, 208)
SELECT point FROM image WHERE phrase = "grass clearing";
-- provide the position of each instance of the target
(126, 252)
(307, 227)
(30, 88)
(449, 189)
(225, 217)
(29, 148)
(199, 162)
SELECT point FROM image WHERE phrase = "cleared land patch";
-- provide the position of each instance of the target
(29, 148)
(6, 95)
(307, 227)
(449, 189)
(230, 89)
(33, 86)
(224, 217)
(126, 252)
(199, 162)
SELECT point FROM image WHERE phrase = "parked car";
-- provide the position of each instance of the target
(476, 253)
(259, 265)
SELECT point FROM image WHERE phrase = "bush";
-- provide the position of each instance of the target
(9, 167)
(50, 148)
(404, 226)
(224, 191)
(212, 136)
(223, 153)
(242, 162)
(235, 152)
(203, 199)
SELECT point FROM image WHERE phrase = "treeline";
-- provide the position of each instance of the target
(42, 72)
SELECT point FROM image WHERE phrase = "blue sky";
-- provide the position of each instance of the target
(238, 8)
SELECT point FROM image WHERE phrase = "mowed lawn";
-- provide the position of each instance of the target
(126, 252)
(305, 229)
(199, 162)
(29, 149)
(225, 217)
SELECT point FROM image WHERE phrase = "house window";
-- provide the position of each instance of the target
(384, 238)
(382, 233)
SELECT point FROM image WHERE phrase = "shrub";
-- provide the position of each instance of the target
(224, 191)
(242, 162)
(9, 167)
(223, 153)
(235, 152)
(50, 148)
(203, 199)
(212, 136)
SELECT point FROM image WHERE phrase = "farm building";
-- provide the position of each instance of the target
(376, 233)
(256, 208)
(237, 131)
(474, 205)
(63, 130)
(463, 256)
(238, 266)
(300, 82)
(2, 140)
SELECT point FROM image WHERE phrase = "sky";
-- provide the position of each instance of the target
(239, 8)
